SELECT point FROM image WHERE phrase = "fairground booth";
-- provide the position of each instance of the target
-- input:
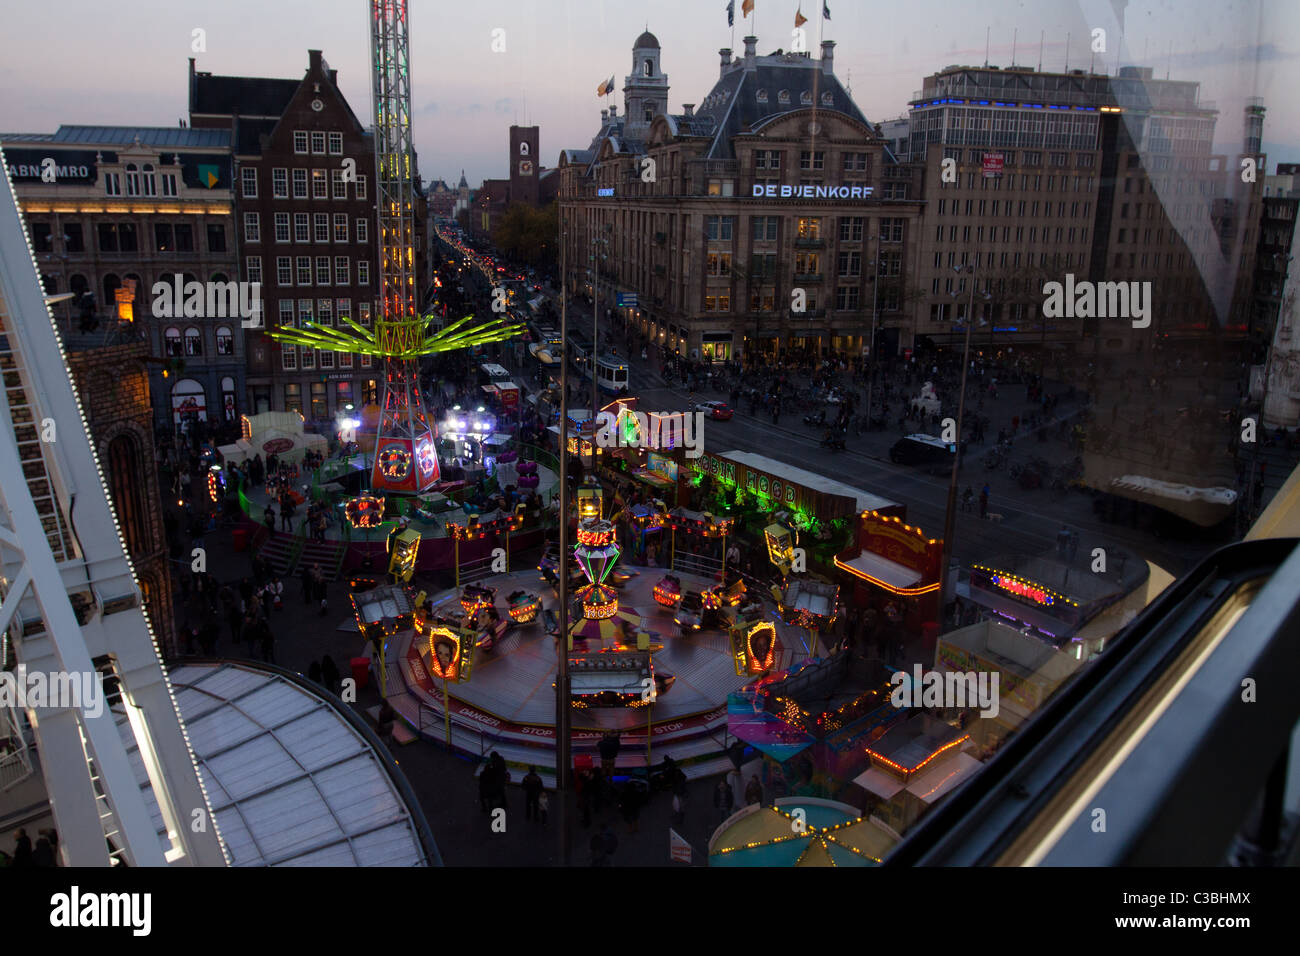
(894, 568)
(1028, 671)
(755, 490)
(1054, 600)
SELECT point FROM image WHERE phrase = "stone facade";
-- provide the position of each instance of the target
(113, 384)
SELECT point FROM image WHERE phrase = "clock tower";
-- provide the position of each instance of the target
(524, 147)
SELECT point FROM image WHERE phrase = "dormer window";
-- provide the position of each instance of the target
(805, 98)
(828, 100)
(783, 96)
(761, 96)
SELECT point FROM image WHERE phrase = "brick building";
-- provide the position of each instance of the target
(719, 218)
(528, 182)
(140, 205)
(305, 208)
(113, 384)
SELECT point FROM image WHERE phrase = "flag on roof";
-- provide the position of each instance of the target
(731, 13)
(799, 18)
(747, 7)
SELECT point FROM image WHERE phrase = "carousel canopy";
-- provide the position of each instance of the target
(834, 835)
(278, 433)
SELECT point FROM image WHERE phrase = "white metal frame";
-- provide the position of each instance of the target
(93, 790)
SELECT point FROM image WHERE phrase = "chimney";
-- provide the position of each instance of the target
(604, 115)
(725, 53)
(613, 110)
(334, 78)
(751, 53)
(313, 61)
(828, 57)
(688, 109)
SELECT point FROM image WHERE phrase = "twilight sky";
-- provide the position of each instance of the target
(90, 62)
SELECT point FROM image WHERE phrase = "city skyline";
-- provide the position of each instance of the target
(465, 96)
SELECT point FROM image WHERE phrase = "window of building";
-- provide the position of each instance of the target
(812, 159)
(148, 180)
(172, 342)
(363, 272)
(764, 228)
(280, 182)
(164, 240)
(253, 268)
(317, 141)
(323, 270)
(126, 484)
(300, 184)
(807, 263)
(112, 184)
(283, 270)
(321, 233)
(846, 298)
(336, 144)
(252, 227)
(293, 397)
(851, 228)
(808, 227)
(319, 409)
(719, 227)
(339, 184)
(363, 312)
(225, 340)
(850, 264)
(193, 341)
(301, 227)
(361, 187)
(719, 263)
(319, 184)
(340, 227)
(363, 230)
(342, 272)
(304, 270)
(891, 230)
(132, 180)
(300, 141)
(184, 236)
(855, 162)
(248, 181)
(281, 227)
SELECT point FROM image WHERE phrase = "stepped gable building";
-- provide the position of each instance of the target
(772, 218)
(123, 208)
(306, 228)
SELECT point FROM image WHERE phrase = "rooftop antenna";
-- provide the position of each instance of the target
(986, 45)
(1014, 34)
(1170, 62)
(1067, 53)
(1042, 36)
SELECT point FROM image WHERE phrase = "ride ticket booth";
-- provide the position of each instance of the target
(894, 568)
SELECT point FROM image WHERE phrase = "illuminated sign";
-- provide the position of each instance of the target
(606, 191)
(812, 192)
(1024, 589)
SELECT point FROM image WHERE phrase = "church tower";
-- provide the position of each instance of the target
(523, 164)
(645, 91)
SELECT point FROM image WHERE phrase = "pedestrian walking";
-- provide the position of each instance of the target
(533, 790)
(608, 748)
(753, 791)
(723, 799)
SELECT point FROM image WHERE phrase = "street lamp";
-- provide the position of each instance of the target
(871, 354)
(950, 515)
